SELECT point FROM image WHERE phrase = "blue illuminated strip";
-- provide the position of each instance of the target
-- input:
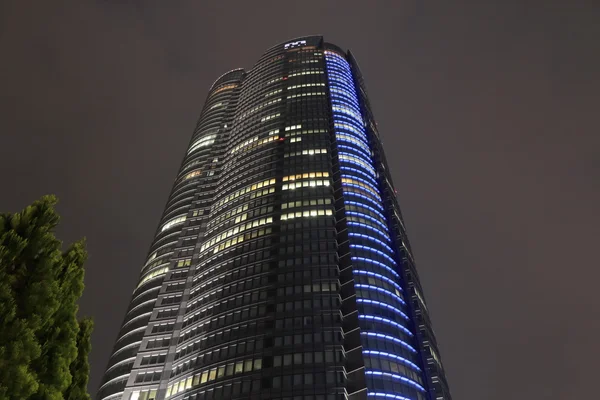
(346, 119)
(361, 193)
(397, 377)
(381, 290)
(367, 217)
(351, 170)
(363, 197)
(351, 129)
(360, 153)
(371, 249)
(379, 264)
(348, 137)
(382, 277)
(384, 305)
(366, 237)
(338, 96)
(346, 105)
(387, 396)
(355, 155)
(366, 183)
(395, 357)
(375, 195)
(386, 321)
(356, 171)
(391, 338)
(354, 203)
(369, 227)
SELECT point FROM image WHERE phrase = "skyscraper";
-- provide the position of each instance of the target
(281, 268)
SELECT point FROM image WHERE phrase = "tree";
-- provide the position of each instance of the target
(43, 347)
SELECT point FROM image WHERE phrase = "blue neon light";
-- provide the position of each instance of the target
(362, 190)
(384, 305)
(397, 377)
(382, 277)
(363, 197)
(352, 141)
(356, 153)
(366, 216)
(362, 151)
(386, 321)
(378, 263)
(366, 237)
(394, 356)
(371, 249)
(366, 183)
(354, 203)
(350, 128)
(356, 171)
(391, 338)
(365, 223)
(369, 227)
(381, 290)
(387, 396)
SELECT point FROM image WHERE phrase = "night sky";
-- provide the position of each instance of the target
(489, 111)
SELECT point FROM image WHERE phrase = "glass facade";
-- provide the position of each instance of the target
(280, 268)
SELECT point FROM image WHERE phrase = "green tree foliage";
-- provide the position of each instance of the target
(43, 347)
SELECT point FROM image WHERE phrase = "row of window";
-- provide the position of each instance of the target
(148, 376)
(180, 219)
(227, 290)
(184, 263)
(317, 287)
(231, 350)
(230, 271)
(255, 212)
(239, 332)
(306, 152)
(306, 131)
(269, 117)
(311, 183)
(225, 304)
(305, 72)
(153, 274)
(192, 174)
(143, 395)
(221, 371)
(301, 203)
(235, 231)
(306, 85)
(271, 93)
(306, 213)
(219, 321)
(305, 94)
(241, 238)
(250, 142)
(202, 142)
(318, 303)
(252, 110)
(243, 191)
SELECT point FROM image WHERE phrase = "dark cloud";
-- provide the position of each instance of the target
(488, 109)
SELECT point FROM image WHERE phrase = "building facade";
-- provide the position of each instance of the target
(281, 268)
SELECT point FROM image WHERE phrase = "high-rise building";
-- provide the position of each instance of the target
(280, 268)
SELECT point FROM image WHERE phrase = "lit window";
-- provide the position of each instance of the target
(172, 222)
(268, 117)
(307, 213)
(203, 141)
(193, 174)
